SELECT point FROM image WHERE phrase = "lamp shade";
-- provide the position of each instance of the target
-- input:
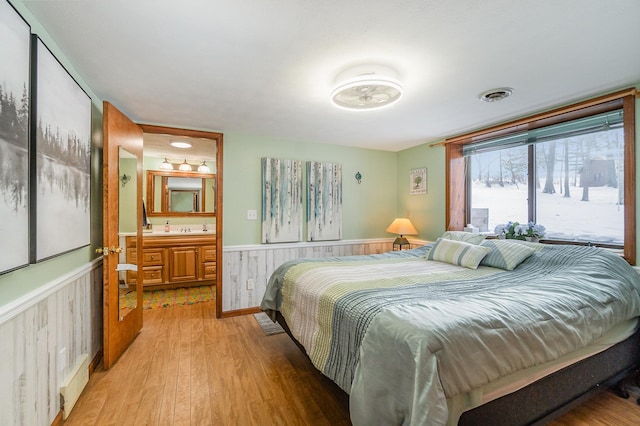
(402, 226)
(185, 167)
(166, 165)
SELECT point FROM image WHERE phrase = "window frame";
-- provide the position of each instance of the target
(457, 205)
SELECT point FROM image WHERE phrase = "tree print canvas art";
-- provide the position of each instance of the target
(62, 132)
(14, 138)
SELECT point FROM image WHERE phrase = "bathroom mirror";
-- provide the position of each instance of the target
(176, 193)
(127, 224)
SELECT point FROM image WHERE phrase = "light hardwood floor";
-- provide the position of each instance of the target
(188, 368)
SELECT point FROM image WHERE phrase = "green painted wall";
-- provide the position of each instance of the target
(426, 211)
(368, 207)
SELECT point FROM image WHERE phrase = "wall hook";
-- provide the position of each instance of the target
(358, 177)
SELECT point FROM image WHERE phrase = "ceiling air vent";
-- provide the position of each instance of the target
(495, 95)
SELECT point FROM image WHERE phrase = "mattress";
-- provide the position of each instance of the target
(516, 381)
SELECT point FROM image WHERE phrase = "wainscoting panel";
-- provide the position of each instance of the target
(42, 336)
(257, 262)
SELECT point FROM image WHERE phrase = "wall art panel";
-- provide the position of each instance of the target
(281, 200)
(62, 137)
(324, 201)
(14, 138)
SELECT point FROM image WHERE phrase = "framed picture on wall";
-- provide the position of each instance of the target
(324, 201)
(281, 200)
(61, 143)
(418, 181)
(14, 138)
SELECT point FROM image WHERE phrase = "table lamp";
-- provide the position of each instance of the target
(402, 226)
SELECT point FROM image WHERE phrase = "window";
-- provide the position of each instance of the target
(578, 170)
(571, 169)
(499, 185)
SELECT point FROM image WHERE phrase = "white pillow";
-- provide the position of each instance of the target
(457, 253)
(506, 254)
(467, 237)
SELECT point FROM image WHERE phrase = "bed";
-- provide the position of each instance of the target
(463, 332)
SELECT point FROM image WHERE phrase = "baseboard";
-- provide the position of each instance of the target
(57, 421)
(73, 385)
(95, 362)
(238, 312)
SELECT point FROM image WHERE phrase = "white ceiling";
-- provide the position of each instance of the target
(159, 145)
(265, 68)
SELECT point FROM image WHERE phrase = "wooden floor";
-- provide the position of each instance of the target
(188, 368)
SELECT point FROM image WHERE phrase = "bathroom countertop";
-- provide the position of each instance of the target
(174, 232)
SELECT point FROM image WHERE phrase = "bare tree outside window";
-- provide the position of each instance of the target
(592, 163)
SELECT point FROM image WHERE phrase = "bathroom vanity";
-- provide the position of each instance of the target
(174, 259)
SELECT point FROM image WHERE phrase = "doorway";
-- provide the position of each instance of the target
(206, 150)
(126, 262)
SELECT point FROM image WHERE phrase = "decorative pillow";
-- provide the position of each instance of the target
(467, 237)
(457, 253)
(506, 254)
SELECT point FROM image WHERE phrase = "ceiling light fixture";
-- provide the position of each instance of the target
(185, 167)
(495, 95)
(178, 144)
(367, 90)
(203, 168)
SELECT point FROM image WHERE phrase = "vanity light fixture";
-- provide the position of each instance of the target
(203, 168)
(185, 167)
(179, 144)
(166, 165)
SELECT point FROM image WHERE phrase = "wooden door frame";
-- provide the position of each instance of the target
(218, 137)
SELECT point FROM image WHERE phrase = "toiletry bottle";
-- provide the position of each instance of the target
(167, 227)
(204, 226)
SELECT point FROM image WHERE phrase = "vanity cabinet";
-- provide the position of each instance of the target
(183, 264)
(153, 261)
(175, 260)
(208, 256)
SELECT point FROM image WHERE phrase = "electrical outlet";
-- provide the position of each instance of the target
(250, 284)
(252, 214)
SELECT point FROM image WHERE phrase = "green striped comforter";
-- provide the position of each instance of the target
(401, 333)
